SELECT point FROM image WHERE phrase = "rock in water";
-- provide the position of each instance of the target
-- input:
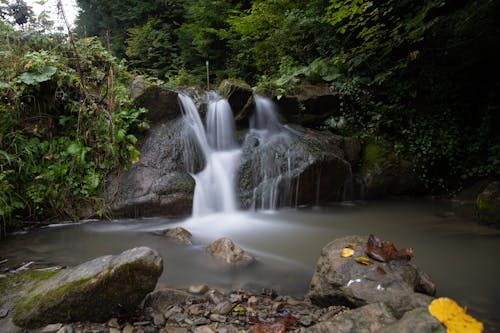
(179, 235)
(93, 291)
(339, 280)
(225, 249)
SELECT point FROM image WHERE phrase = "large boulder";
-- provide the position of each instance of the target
(226, 250)
(93, 291)
(383, 173)
(158, 183)
(161, 103)
(342, 280)
(488, 204)
(293, 166)
(309, 105)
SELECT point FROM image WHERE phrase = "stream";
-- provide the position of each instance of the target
(460, 255)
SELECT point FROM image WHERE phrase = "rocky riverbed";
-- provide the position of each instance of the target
(115, 294)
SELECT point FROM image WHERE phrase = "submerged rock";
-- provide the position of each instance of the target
(179, 235)
(93, 291)
(340, 280)
(225, 249)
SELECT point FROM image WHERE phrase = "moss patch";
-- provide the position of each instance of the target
(376, 155)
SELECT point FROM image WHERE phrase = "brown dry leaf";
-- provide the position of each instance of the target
(454, 317)
(346, 252)
(363, 260)
(277, 327)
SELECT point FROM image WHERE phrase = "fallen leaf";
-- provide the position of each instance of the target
(454, 317)
(351, 245)
(346, 252)
(363, 260)
(238, 308)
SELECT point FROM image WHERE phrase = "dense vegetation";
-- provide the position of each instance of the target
(65, 122)
(422, 75)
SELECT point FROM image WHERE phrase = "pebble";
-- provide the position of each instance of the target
(196, 309)
(158, 319)
(278, 306)
(204, 329)
(252, 302)
(128, 328)
(113, 322)
(141, 323)
(52, 328)
(201, 321)
(216, 296)
(175, 329)
(223, 307)
(236, 298)
(306, 321)
(114, 330)
(177, 317)
(4, 313)
(218, 318)
(198, 289)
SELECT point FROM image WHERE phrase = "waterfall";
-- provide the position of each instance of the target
(215, 184)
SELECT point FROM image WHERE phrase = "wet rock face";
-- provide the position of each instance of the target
(293, 167)
(158, 184)
(229, 252)
(339, 280)
(93, 291)
(240, 97)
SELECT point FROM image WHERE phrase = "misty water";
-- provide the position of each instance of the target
(460, 255)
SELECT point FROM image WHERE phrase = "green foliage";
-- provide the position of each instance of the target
(66, 122)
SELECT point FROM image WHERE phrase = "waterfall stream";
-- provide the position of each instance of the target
(215, 189)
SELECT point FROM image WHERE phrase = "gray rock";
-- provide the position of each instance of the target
(52, 328)
(128, 328)
(223, 308)
(488, 204)
(179, 235)
(158, 183)
(93, 291)
(218, 318)
(159, 320)
(339, 280)
(225, 249)
(294, 166)
(162, 300)
(204, 329)
(367, 319)
(415, 321)
(175, 329)
(4, 313)
(198, 289)
(161, 103)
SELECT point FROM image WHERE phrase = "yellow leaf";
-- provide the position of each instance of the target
(363, 260)
(346, 252)
(454, 317)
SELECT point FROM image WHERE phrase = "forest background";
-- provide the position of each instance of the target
(420, 76)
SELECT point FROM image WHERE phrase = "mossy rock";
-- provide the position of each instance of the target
(93, 291)
(383, 172)
(488, 204)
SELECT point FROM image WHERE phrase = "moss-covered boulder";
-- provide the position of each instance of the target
(488, 204)
(93, 291)
(383, 173)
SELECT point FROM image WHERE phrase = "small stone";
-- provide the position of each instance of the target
(196, 309)
(306, 321)
(141, 323)
(204, 329)
(217, 318)
(4, 313)
(177, 317)
(52, 328)
(113, 322)
(236, 298)
(173, 310)
(229, 252)
(252, 302)
(175, 329)
(114, 330)
(128, 328)
(278, 306)
(179, 235)
(227, 329)
(201, 321)
(158, 319)
(292, 301)
(198, 289)
(216, 296)
(223, 307)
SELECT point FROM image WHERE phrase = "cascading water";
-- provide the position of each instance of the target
(215, 187)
